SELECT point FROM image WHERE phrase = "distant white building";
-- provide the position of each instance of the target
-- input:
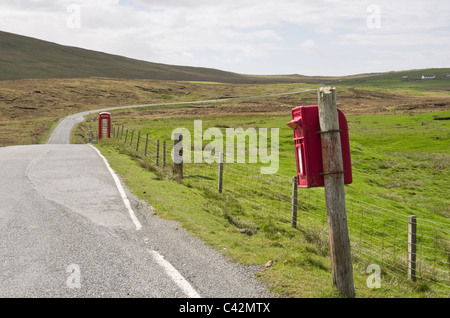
(428, 77)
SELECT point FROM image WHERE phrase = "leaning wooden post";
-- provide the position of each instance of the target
(220, 172)
(341, 260)
(412, 233)
(294, 202)
(178, 154)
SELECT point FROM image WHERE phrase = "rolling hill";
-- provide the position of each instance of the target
(24, 57)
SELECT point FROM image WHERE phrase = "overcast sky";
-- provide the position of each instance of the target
(322, 37)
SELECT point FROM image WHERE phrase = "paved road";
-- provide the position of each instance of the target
(61, 134)
(66, 231)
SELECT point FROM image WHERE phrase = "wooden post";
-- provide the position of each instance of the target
(341, 261)
(126, 136)
(412, 233)
(178, 154)
(131, 139)
(121, 133)
(157, 152)
(294, 202)
(146, 144)
(220, 172)
(164, 154)
(137, 143)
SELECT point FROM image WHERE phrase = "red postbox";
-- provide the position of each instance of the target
(104, 125)
(308, 149)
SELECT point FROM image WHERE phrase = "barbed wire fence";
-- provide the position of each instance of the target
(378, 235)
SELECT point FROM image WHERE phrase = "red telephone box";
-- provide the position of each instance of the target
(104, 125)
(308, 149)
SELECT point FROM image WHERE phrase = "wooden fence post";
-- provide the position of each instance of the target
(164, 154)
(335, 192)
(412, 233)
(178, 154)
(146, 144)
(137, 143)
(157, 152)
(121, 133)
(131, 139)
(294, 202)
(220, 172)
(126, 136)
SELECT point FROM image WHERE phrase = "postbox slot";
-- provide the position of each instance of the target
(301, 160)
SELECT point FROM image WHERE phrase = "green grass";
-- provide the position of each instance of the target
(250, 222)
(395, 81)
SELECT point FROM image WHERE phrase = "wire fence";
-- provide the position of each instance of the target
(378, 235)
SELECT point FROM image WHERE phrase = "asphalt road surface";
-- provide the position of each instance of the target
(69, 228)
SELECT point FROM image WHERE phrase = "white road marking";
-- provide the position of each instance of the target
(125, 199)
(175, 275)
(170, 270)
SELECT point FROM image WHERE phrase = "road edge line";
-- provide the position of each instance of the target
(175, 275)
(122, 192)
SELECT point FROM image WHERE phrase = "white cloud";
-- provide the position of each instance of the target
(310, 47)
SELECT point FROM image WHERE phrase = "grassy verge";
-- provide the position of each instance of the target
(26, 132)
(400, 168)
